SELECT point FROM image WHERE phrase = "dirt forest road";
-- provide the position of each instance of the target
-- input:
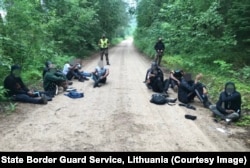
(115, 117)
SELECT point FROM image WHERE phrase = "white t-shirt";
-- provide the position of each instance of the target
(66, 69)
(101, 71)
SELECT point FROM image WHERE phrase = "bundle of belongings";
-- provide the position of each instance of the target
(74, 94)
(161, 99)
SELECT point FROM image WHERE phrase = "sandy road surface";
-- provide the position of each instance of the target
(114, 117)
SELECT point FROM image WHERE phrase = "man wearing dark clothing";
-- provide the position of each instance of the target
(228, 107)
(52, 80)
(189, 88)
(155, 79)
(18, 91)
(175, 79)
(159, 48)
(46, 68)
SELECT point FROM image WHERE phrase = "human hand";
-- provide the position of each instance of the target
(30, 93)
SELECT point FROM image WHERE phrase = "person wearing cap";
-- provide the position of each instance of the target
(46, 68)
(57, 73)
(100, 74)
(17, 90)
(51, 80)
(104, 44)
(159, 48)
(155, 79)
(188, 89)
(228, 107)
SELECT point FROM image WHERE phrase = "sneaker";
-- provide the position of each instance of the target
(191, 117)
(81, 80)
(228, 121)
(148, 86)
(96, 85)
(48, 98)
(85, 78)
(43, 99)
(56, 91)
(206, 104)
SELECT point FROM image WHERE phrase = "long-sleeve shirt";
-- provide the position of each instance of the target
(14, 85)
(232, 102)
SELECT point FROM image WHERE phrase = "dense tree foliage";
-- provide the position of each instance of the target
(39, 30)
(211, 36)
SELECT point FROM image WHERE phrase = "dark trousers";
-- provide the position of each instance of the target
(158, 85)
(104, 51)
(191, 95)
(172, 82)
(25, 98)
(74, 73)
(97, 79)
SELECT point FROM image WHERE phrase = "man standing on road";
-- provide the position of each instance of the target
(228, 107)
(104, 44)
(159, 48)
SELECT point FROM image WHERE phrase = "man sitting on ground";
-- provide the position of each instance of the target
(228, 107)
(51, 81)
(189, 88)
(175, 79)
(73, 71)
(100, 74)
(18, 91)
(57, 73)
(155, 79)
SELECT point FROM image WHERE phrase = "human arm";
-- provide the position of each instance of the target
(234, 100)
(54, 78)
(174, 78)
(106, 73)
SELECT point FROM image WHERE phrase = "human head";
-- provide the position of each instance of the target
(16, 70)
(180, 71)
(52, 68)
(100, 64)
(187, 77)
(48, 63)
(159, 39)
(154, 65)
(230, 88)
(103, 35)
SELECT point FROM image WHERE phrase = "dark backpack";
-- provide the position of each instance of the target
(158, 99)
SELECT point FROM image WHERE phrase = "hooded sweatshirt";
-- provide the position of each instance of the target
(229, 101)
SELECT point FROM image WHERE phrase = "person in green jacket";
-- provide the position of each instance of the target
(52, 81)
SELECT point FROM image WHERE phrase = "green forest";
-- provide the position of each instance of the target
(207, 36)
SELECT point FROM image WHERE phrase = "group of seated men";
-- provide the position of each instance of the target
(52, 80)
(227, 108)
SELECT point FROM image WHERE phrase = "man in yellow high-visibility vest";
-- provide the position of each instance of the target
(104, 44)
